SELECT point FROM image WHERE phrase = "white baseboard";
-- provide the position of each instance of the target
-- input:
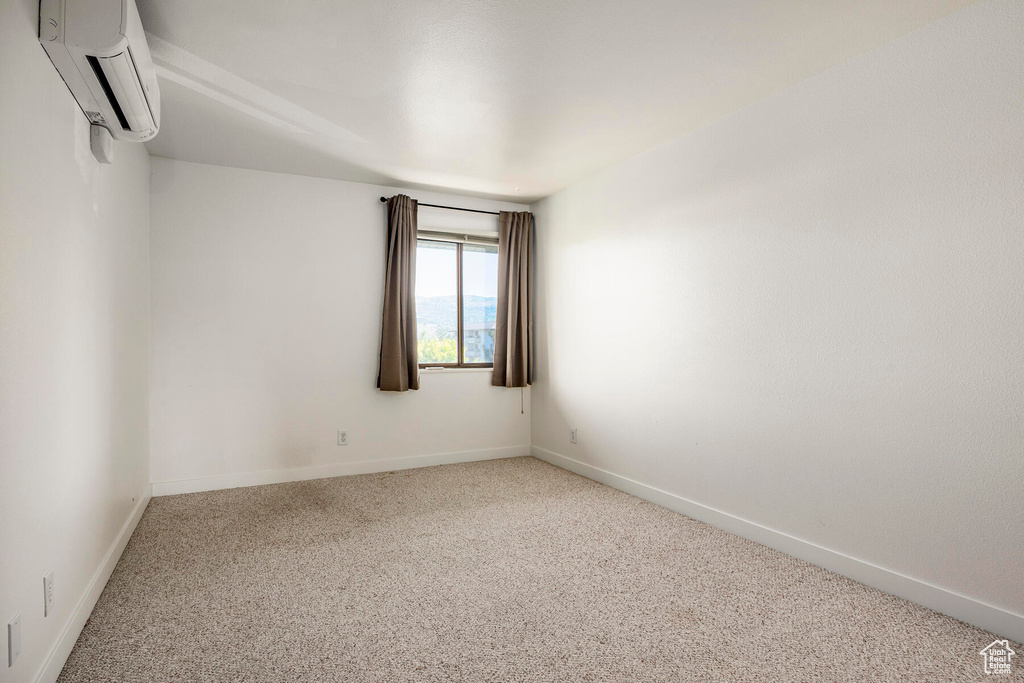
(58, 654)
(341, 469)
(991, 618)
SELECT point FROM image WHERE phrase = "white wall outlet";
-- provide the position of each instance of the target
(342, 437)
(48, 594)
(13, 639)
(572, 435)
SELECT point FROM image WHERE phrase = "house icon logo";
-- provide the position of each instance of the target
(997, 657)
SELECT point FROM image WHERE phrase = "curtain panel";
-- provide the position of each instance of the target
(513, 333)
(398, 369)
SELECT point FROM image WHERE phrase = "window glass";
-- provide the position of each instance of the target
(436, 301)
(479, 297)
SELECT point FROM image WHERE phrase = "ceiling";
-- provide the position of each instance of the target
(510, 99)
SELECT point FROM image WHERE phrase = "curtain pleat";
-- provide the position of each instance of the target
(399, 368)
(513, 333)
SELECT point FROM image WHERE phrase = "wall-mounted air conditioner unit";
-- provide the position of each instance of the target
(100, 50)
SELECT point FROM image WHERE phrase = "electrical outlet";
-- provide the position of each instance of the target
(572, 435)
(48, 594)
(13, 639)
(342, 438)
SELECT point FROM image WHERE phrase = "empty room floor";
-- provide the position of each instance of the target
(505, 570)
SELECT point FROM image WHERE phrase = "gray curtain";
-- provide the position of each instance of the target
(513, 333)
(399, 367)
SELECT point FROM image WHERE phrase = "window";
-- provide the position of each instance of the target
(456, 296)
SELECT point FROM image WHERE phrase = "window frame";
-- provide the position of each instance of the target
(458, 240)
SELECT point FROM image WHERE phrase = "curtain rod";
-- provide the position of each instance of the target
(453, 208)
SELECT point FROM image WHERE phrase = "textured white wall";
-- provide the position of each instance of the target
(810, 314)
(267, 293)
(74, 336)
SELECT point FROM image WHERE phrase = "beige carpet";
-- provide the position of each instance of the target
(508, 570)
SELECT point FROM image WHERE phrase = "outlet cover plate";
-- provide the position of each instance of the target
(48, 593)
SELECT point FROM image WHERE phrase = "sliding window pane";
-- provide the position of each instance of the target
(479, 297)
(437, 287)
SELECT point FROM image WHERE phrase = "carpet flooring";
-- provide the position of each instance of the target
(507, 570)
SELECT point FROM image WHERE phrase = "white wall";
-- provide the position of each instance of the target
(810, 314)
(74, 349)
(267, 293)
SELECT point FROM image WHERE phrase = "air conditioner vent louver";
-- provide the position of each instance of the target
(101, 76)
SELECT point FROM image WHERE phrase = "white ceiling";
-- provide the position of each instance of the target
(509, 99)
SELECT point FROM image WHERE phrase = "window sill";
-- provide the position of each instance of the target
(442, 371)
